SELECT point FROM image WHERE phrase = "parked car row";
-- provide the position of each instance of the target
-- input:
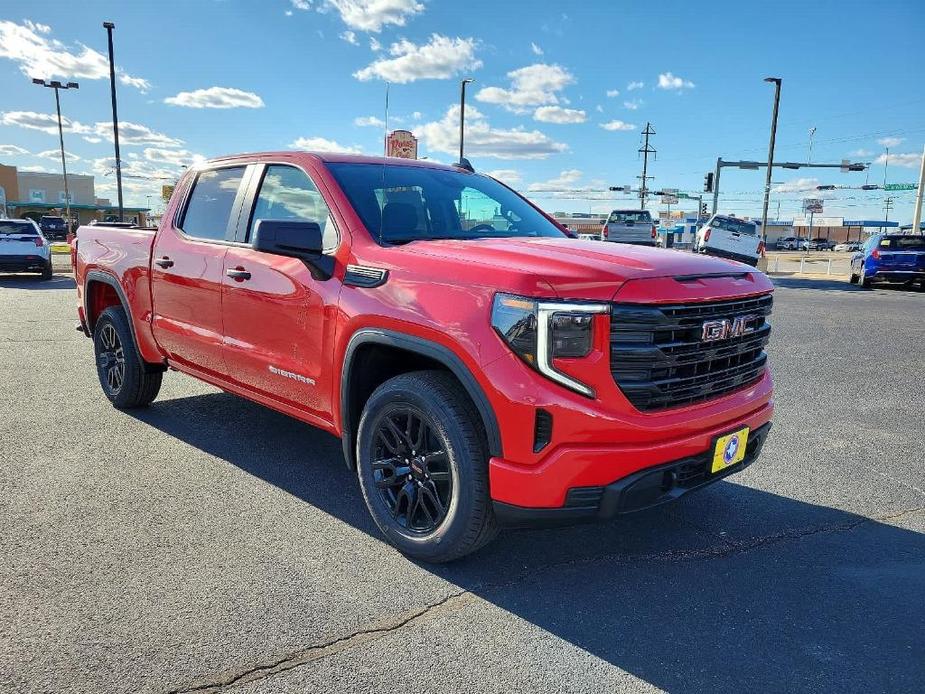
(792, 243)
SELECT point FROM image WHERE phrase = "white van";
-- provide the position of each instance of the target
(730, 237)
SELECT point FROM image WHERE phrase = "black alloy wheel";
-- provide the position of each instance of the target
(111, 358)
(411, 469)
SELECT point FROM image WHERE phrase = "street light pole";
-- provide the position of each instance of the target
(56, 86)
(917, 213)
(767, 184)
(462, 114)
(109, 26)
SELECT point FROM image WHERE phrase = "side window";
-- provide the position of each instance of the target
(288, 193)
(211, 202)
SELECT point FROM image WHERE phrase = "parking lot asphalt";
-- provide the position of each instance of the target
(208, 544)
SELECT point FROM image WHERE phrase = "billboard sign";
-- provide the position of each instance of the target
(670, 196)
(402, 144)
(812, 205)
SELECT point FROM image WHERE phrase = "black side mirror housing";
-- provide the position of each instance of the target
(294, 239)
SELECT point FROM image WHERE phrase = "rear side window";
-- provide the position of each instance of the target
(18, 228)
(288, 193)
(637, 217)
(211, 202)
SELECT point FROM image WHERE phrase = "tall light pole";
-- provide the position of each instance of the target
(56, 86)
(917, 211)
(462, 114)
(767, 183)
(109, 26)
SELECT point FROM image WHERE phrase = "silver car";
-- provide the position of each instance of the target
(630, 226)
(23, 248)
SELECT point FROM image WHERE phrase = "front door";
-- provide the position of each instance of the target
(278, 319)
(188, 268)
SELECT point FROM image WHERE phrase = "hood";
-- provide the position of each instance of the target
(592, 270)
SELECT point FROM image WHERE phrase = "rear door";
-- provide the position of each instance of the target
(188, 267)
(278, 318)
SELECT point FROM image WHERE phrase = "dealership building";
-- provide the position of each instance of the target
(36, 193)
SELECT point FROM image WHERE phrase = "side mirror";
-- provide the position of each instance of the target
(294, 239)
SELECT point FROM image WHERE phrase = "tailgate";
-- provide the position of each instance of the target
(733, 242)
(902, 260)
(630, 232)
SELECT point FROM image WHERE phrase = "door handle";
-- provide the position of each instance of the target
(164, 262)
(238, 274)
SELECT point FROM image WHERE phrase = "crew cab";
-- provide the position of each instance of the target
(730, 237)
(896, 258)
(481, 368)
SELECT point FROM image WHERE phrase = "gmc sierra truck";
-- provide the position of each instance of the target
(481, 368)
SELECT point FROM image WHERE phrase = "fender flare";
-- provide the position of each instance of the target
(427, 348)
(106, 278)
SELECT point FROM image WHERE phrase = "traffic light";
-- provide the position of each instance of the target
(703, 209)
(708, 183)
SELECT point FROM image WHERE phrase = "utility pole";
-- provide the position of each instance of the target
(109, 26)
(887, 206)
(56, 86)
(917, 214)
(767, 184)
(462, 114)
(645, 150)
(719, 168)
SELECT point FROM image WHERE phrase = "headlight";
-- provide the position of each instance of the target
(539, 331)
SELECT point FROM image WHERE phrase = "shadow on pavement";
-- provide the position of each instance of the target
(36, 282)
(803, 598)
(836, 285)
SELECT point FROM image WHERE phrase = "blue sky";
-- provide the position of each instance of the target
(561, 91)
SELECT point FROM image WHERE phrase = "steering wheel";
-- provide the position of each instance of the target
(482, 227)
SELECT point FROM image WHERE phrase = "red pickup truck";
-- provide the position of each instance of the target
(481, 367)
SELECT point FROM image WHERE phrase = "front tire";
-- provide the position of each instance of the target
(422, 464)
(126, 379)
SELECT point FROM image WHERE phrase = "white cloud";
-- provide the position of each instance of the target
(321, 144)
(301, 4)
(599, 108)
(536, 49)
(666, 80)
(797, 185)
(635, 85)
(12, 151)
(533, 85)
(134, 134)
(369, 121)
(55, 154)
(910, 160)
(890, 141)
(216, 97)
(484, 140)
(37, 55)
(441, 57)
(632, 104)
(372, 15)
(129, 133)
(44, 122)
(611, 93)
(374, 44)
(564, 181)
(417, 115)
(861, 153)
(350, 37)
(172, 157)
(509, 176)
(557, 114)
(617, 125)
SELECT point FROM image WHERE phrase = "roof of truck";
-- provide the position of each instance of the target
(338, 158)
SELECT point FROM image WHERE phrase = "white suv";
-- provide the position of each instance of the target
(730, 237)
(23, 248)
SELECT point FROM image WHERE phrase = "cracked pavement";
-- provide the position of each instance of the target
(210, 545)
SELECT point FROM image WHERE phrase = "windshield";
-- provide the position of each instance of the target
(903, 243)
(635, 216)
(9, 227)
(736, 225)
(399, 204)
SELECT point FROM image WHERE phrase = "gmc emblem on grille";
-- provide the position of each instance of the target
(714, 330)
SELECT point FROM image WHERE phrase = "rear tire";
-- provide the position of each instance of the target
(48, 272)
(402, 470)
(853, 279)
(863, 279)
(126, 380)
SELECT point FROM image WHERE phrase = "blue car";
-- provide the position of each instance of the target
(890, 258)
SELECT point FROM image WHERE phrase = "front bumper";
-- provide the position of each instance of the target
(640, 490)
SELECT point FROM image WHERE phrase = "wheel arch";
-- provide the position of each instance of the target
(401, 353)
